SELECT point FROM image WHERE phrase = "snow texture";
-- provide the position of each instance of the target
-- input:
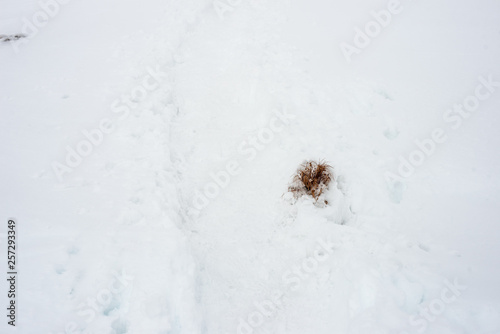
(148, 148)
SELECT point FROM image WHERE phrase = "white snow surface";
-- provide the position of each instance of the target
(178, 220)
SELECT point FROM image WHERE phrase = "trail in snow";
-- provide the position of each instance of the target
(105, 249)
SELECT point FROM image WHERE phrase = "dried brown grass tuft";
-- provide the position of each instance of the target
(311, 178)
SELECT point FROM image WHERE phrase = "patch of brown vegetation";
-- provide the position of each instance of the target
(312, 178)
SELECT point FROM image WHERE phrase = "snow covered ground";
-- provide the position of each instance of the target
(147, 148)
